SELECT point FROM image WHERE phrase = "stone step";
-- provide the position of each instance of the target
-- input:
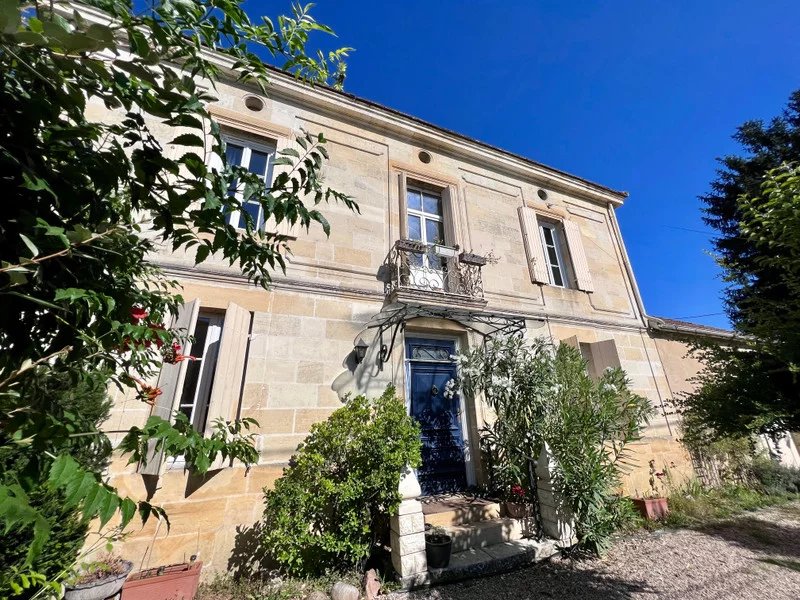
(459, 511)
(480, 562)
(488, 533)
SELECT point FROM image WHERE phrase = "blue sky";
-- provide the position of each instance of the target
(637, 95)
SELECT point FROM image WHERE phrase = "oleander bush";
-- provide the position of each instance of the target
(542, 394)
(324, 513)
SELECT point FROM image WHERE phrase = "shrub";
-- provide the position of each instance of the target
(543, 395)
(324, 512)
(775, 478)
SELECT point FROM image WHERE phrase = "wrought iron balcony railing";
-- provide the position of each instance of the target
(433, 269)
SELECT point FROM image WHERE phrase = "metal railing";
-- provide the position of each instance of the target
(433, 268)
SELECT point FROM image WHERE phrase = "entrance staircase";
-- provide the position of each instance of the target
(485, 540)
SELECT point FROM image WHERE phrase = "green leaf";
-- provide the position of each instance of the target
(188, 139)
(9, 16)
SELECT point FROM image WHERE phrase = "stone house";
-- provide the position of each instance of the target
(389, 297)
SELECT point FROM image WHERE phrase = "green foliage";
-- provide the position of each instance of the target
(224, 587)
(227, 441)
(694, 505)
(753, 386)
(75, 267)
(323, 513)
(543, 395)
(774, 478)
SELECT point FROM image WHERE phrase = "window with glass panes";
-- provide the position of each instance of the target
(199, 380)
(551, 243)
(256, 158)
(425, 223)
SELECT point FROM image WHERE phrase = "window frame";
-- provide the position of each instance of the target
(424, 216)
(558, 242)
(208, 363)
(248, 144)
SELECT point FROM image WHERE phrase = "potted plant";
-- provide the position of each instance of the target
(168, 582)
(518, 504)
(653, 505)
(438, 547)
(98, 579)
(468, 258)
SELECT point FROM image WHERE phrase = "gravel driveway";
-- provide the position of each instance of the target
(756, 555)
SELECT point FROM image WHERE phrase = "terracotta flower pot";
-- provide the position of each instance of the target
(172, 582)
(99, 589)
(652, 509)
(518, 510)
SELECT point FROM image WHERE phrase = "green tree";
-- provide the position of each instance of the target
(90, 202)
(752, 386)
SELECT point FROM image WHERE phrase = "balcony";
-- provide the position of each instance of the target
(417, 271)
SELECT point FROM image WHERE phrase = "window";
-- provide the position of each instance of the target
(257, 158)
(551, 244)
(199, 380)
(208, 388)
(554, 248)
(425, 224)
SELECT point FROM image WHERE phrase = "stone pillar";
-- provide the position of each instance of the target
(557, 521)
(408, 534)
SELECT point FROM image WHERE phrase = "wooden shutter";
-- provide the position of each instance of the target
(605, 355)
(229, 372)
(402, 203)
(170, 381)
(533, 245)
(449, 215)
(583, 278)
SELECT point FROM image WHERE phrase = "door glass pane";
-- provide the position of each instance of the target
(432, 204)
(414, 201)
(258, 162)
(414, 228)
(434, 231)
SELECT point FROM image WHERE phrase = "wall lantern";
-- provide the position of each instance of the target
(360, 350)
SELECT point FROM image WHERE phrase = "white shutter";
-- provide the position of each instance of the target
(583, 278)
(402, 202)
(533, 245)
(449, 216)
(229, 372)
(170, 381)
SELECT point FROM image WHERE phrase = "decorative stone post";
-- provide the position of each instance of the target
(557, 521)
(408, 534)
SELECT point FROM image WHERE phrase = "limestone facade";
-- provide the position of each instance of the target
(296, 342)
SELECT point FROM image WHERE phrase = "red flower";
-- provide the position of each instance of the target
(147, 393)
(518, 490)
(173, 354)
(138, 314)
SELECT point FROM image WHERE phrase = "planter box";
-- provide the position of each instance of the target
(172, 582)
(652, 509)
(468, 258)
(98, 590)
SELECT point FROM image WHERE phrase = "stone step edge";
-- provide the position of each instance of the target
(538, 551)
(475, 514)
(509, 530)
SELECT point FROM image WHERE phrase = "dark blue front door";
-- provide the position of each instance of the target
(438, 413)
